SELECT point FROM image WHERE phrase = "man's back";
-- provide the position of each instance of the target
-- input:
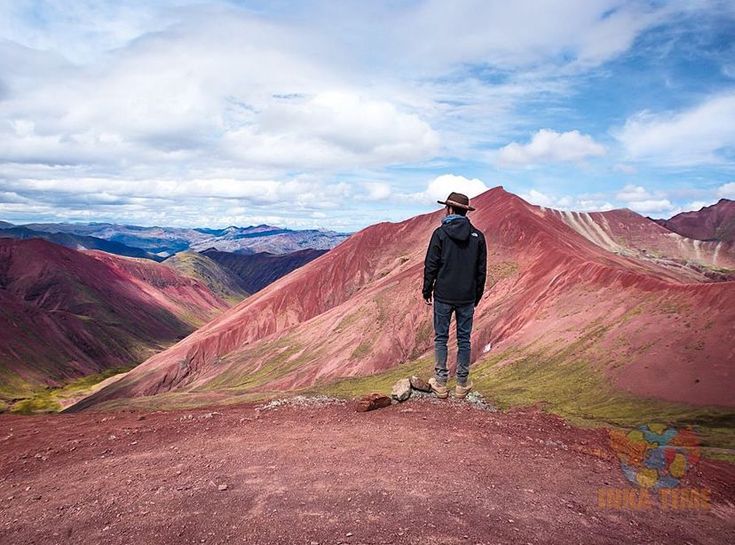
(455, 264)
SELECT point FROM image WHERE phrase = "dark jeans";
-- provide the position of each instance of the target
(442, 316)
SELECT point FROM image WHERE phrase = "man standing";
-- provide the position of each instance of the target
(454, 273)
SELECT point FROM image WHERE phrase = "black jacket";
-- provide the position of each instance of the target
(456, 263)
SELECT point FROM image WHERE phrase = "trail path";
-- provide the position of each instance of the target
(420, 472)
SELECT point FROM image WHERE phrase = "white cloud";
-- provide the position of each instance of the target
(694, 136)
(547, 146)
(726, 191)
(633, 193)
(696, 205)
(640, 199)
(567, 202)
(220, 87)
(649, 206)
(520, 32)
(441, 186)
(331, 129)
(376, 191)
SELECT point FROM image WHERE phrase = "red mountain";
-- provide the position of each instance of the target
(715, 222)
(66, 313)
(554, 296)
(626, 233)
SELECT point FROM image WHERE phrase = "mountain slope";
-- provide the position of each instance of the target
(554, 296)
(219, 280)
(628, 233)
(65, 313)
(715, 222)
(256, 271)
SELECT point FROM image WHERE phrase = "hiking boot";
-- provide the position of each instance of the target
(438, 388)
(461, 391)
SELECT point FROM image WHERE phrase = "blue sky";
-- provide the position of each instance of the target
(343, 114)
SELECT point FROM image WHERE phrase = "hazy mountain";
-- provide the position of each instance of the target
(166, 241)
(77, 242)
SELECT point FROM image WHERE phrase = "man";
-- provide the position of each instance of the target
(454, 274)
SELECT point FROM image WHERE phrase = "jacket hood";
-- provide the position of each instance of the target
(457, 228)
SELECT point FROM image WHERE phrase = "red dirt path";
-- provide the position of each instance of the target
(421, 472)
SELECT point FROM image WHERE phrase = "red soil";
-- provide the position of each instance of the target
(65, 313)
(357, 310)
(420, 472)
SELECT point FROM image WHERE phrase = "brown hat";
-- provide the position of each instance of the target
(457, 200)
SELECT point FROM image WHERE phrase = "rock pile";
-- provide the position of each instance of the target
(414, 386)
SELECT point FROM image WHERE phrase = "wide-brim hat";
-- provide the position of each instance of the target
(457, 200)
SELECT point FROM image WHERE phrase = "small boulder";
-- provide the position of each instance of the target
(417, 383)
(401, 390)
(371, 402)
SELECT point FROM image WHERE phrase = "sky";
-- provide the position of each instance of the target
(342, 114)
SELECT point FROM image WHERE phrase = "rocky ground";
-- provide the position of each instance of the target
(424, 471)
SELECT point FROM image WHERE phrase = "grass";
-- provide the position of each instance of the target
(362, 350)
(238, 379)
(52, 399)
(576, 390)
(379, 382)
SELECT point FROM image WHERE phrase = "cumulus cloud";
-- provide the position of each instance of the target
(726, 191)
(640, 199)
(548, 146)
(376, 191)
(441, 186)
(567, 202)
(215, 92)
(693, 136)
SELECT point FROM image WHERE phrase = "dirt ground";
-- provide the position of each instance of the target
(424, 472)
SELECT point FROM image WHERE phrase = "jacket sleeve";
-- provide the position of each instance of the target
(432, 262)
(480, 271)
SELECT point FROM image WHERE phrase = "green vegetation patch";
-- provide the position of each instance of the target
(52, 399)
(240, 377)
(579, 392)
(379, 382)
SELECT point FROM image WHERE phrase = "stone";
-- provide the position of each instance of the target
(222, 487)
(371, 402)
(401, 390)
(417, 383)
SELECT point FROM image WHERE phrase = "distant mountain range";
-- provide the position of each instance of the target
(161, 242)
(76, 242)
(715, 222)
